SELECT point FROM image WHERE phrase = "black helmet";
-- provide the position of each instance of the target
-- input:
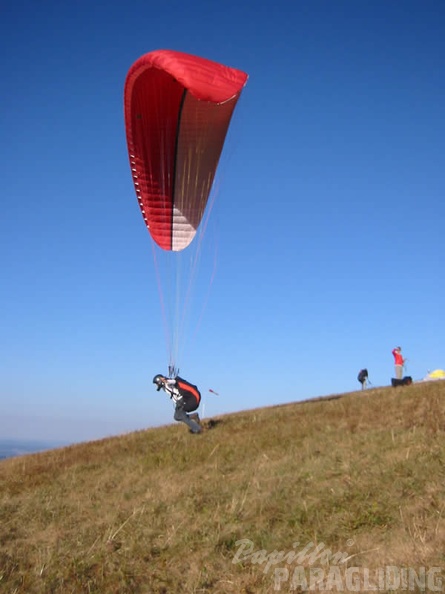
(158, 380)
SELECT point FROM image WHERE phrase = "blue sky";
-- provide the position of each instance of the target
(329, 209)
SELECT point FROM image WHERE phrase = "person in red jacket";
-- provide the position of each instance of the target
(399, 362)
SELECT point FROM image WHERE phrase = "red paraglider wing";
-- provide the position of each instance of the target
(177, 111)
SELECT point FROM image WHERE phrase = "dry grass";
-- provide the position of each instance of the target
(161, 511)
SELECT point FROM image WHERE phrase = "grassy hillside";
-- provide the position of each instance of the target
(163, 511)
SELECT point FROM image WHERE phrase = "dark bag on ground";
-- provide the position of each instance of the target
(190, 394)
(406, 381)
(363, 374)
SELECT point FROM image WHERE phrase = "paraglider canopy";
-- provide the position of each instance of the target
(178, 109)
(435, 375)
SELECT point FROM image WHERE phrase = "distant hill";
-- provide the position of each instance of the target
(17, 447)
(344, 493)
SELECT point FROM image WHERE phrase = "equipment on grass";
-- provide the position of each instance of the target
(406, 381)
